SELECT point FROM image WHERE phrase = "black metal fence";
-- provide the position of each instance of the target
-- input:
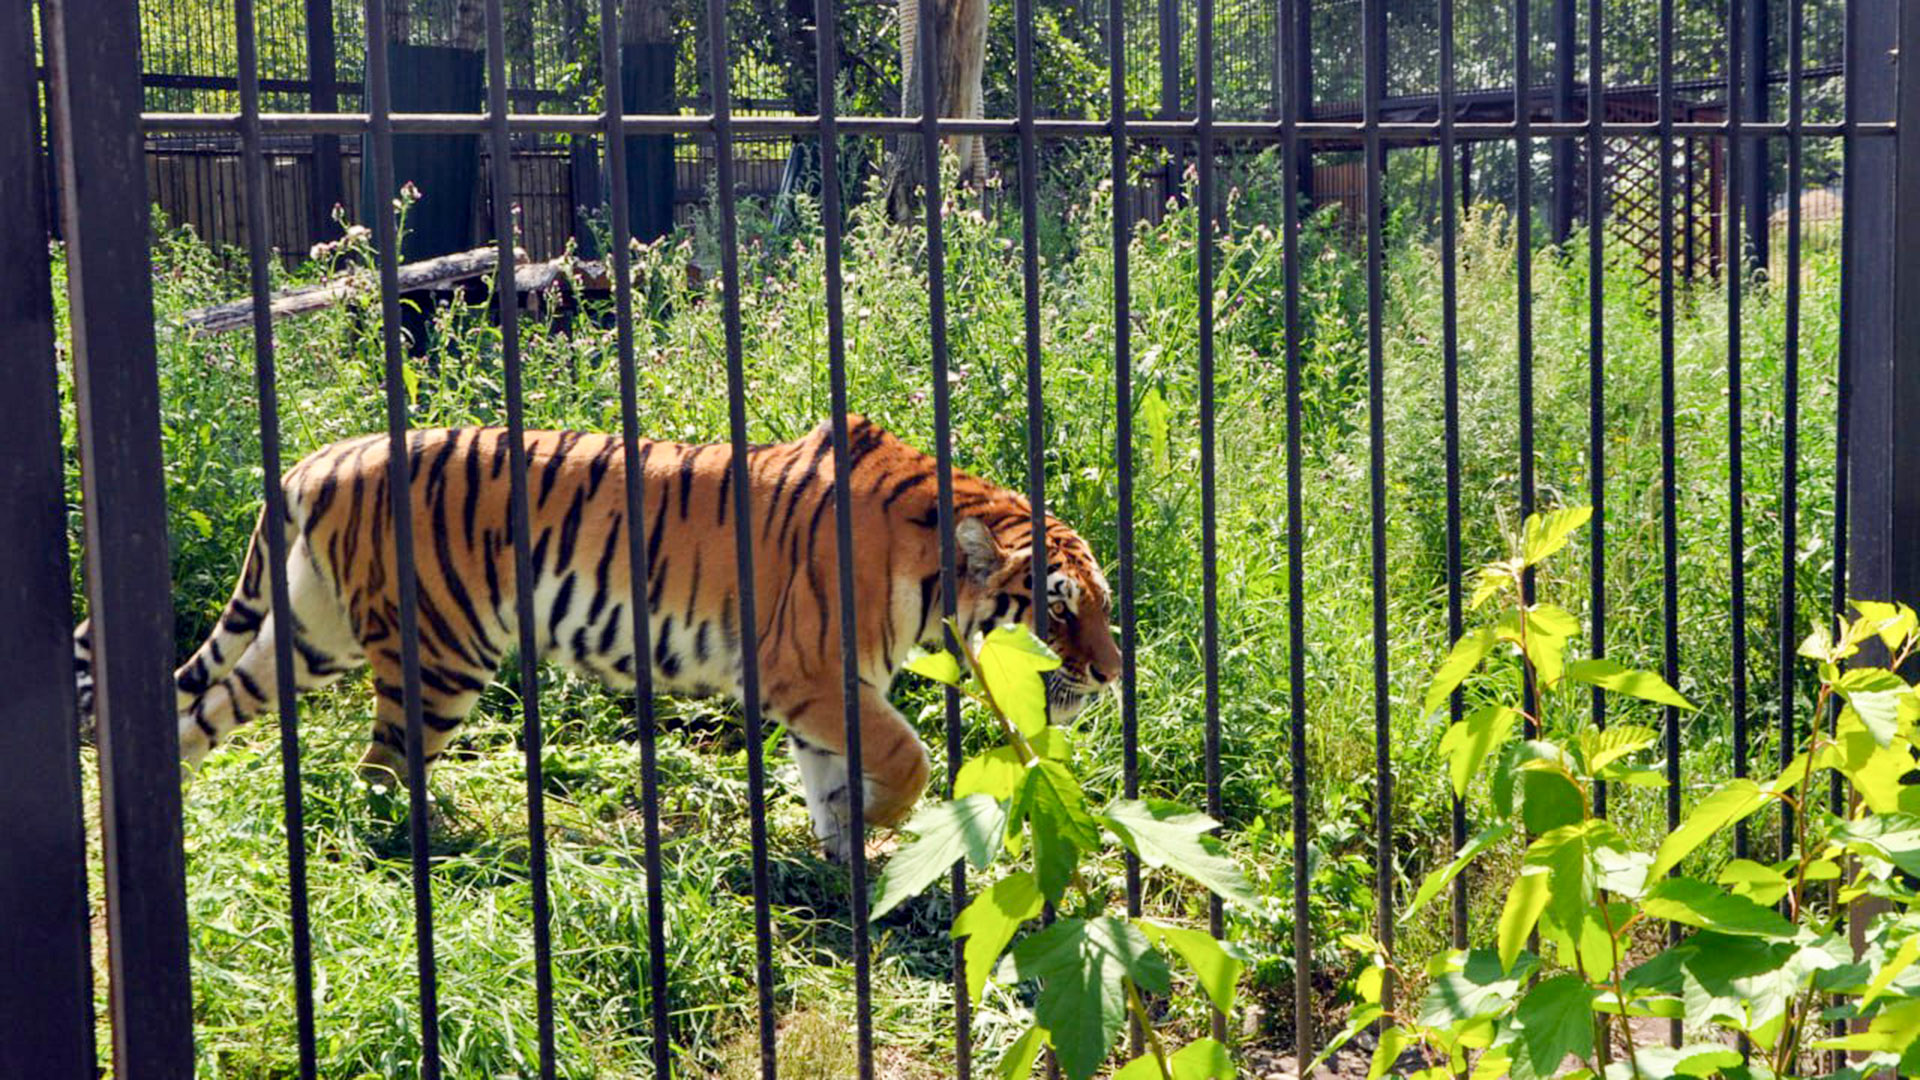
(98, 131)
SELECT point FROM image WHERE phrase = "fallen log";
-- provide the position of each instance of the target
(425, 275)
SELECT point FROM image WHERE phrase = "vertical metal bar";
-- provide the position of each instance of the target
(1030, 293)
(1790, 418)
(507, 298)
(1209, 527)
(1300, 86)
(379, 100)
(1123, 418)
(1736, 477)
(1298, 791)
(50, 56)
(43, 864)
(633, 462)
(1374, 19)
(260, 286)
(1843, 373)
(1523, 271)
(1564, 47)
(1450, 397)
(717, 58)
(95, 46)
(1669, 467)
(929, 47)
(1754, 173)
(1596, 362)
(827, 66)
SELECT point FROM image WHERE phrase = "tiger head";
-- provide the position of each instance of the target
(1078, 604)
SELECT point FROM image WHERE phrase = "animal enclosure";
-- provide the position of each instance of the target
(1651, 173)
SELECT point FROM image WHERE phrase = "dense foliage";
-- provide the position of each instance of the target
(1757, 948)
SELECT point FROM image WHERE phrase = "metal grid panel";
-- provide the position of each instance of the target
(115, 364)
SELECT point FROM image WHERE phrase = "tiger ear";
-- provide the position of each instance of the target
(980, 554)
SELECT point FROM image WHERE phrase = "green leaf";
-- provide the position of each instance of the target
(1011, 663)
(1612, 675)
(1895, 1029)
(1621, 872)
(1552, 620)
(1468, 742)
(1603, 748)
(991, 920)
(1548, 533)
(1167, 834)
(1572, 918)
(1083, 966)
(1017, 1062)
(1217, 969)
(1393, 1042)
(997, 772)
(1893, 622)
(1548, 627)
(940, 666)
(1525, 901)
(1877, 772)
(1758, 883)
(1748, 982)
(943, 832)
(1549, 800)
(1697, 1059)
(1055, 808)
(1555, 1019)
(1495, 578)
(1440, 878)
(1875, 695)
(1465, 656)
(1202, 1059)
(1153, 418)
(1481, 986)
(1893, 838)
(1358, 1021)
(1696, 903)
(1732, 802)
(1902, 959)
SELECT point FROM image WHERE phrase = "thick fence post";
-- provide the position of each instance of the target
(96, 106)
(647, 54)
(43, 863)
(445, 169)
(1883, 307)
(323, 96)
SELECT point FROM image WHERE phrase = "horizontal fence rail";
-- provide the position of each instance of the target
(97, 133)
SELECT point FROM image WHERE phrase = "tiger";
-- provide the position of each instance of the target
(344, 593)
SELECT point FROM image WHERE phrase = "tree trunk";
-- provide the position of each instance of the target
(962, 30)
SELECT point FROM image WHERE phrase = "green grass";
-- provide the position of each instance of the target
(356, 840)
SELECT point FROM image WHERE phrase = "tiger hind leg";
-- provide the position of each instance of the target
(251, 688)
(447, 695)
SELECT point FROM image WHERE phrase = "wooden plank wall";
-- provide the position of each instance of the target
(199, 186)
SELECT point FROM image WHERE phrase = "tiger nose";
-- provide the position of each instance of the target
(1100, 675)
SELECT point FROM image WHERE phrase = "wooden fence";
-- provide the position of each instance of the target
(197, 183)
